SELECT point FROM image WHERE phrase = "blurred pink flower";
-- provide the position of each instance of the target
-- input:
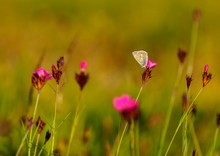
(206, 68)
(124, 103)
(39, 78)
(151, 64)
(83, 65)
(82, 77)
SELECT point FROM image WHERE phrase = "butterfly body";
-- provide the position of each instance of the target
(141, 57)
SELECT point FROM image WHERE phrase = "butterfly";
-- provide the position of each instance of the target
(141, 57)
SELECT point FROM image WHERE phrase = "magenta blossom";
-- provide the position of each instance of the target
(151, 64)
(127, 106)
(82, 77)
(206, 68)
(39, 78)
(83, 65)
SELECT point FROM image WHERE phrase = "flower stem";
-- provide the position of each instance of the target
(35, 150)
(22, 143)
(194, 137)
(54, 120)
(74, 124)
(41, 150)
(132, 139)
(169, 112)
(30, 138)
(121, 138)
(139, 93)
(137, 138)
(182, 119)
(185, 137)
(214, 142)
(193, 40)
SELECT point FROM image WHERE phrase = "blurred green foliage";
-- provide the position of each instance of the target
(105, 33)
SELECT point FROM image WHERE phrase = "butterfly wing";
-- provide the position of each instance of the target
(141, 57)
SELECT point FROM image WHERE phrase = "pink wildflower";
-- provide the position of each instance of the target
(151, 64)
(83, 65)
(82, 78)
(126, 105)
(39, 78)
(206, 68)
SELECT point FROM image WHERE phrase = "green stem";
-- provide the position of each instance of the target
(54, 121)
(132, 141)
(35, 150)
(185, 137)
(139, 93)
(121, 138)
(169, 112)
(30, 138)
(182, 119)
(41, 150)
(194, 137)
(193, 41)
(137, 138)
(74, 124)
(214, 142)
(22, 143)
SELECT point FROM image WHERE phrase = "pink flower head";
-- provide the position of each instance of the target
(39, 78)
(151, 64)
(127, 106)
(206, 68)
(124, 103)
(41, 72)
(83, 65)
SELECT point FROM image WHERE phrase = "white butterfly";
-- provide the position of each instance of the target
(141, 57)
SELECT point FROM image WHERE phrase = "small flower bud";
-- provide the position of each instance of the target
(57, 72)
(146, 75)
(60, 63)
(40, 124)
(181, 55)
(206, 77)
(196, 15)
(82, 78)
(47, 137)
(188, 81)
(29, 123)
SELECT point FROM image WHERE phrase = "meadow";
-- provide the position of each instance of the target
(36, 34)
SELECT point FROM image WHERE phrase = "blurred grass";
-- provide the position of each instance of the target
(105, 33)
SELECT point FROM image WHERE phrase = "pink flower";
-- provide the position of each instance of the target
(127, 106)
(39, 78)
(83, 65)
(151, 64)
(206, 68)
(41, 72)
(82, 78)
(124, 103)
